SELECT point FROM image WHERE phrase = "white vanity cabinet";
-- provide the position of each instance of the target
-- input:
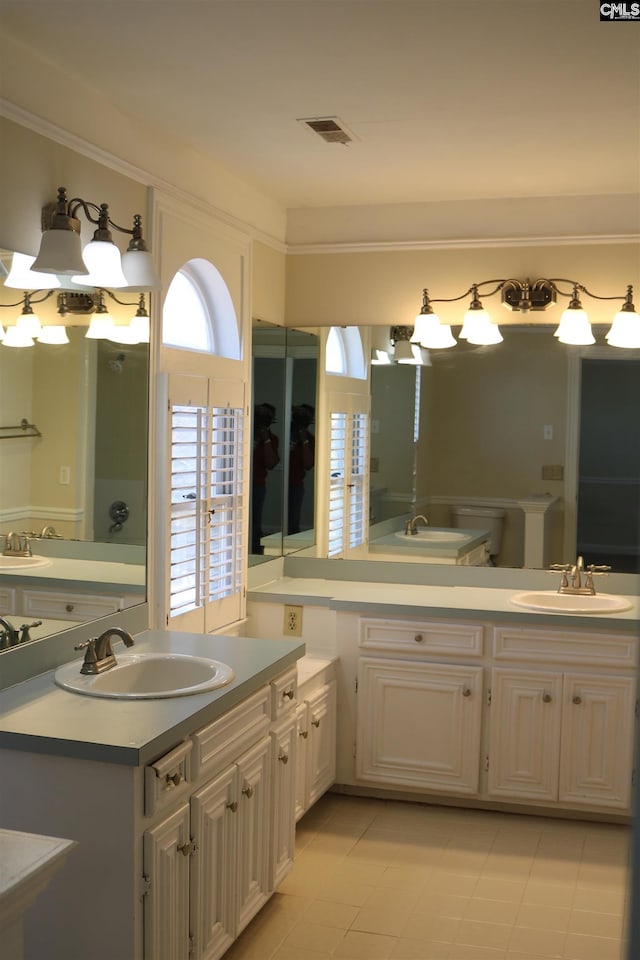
(419, 705)
(316, 736)
(563, 734)
(218, 856)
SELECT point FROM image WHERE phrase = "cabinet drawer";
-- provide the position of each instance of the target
(166, 778)
(283, 693)
(69, 606)
(222, 740)
(7, 600)
(527, 644)
(420, 637)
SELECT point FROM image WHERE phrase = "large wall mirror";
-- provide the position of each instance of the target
(285, 372)
(510, 425)
(73, 485)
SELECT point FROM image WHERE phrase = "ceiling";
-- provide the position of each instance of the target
(445, 99)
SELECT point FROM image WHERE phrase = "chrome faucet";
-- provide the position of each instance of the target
(411, 524)
(572, 582)
(16, 546)
(99, 654)
(9, 635)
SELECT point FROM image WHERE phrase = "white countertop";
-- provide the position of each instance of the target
(400, 599)
(40, 717)
(77, 571)
(27, 862)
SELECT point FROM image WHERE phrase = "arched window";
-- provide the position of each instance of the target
(344, 356)
(198, 312)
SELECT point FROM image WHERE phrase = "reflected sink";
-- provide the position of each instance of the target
(554, 602)
(433, 536)
(147, 676)
(17, 563)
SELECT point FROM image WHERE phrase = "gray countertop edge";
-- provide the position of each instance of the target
(194, 712)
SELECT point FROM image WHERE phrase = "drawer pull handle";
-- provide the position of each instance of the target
(287, 693)
(69, 607)
(315, 723)
(546, 698)
(188, 849)
(283, 757)
(174, 778)
(466, 691)
(577, 699)
(419, 638)
(248, 791)
(233, 806)
(303, 733)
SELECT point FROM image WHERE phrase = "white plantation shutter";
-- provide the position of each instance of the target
(337, 480)
(348, 482)
(207, 497)
(358, 480)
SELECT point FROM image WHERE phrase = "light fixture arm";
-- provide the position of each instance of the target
(63, 214)
(28, 298)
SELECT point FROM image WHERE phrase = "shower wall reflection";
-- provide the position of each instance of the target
(283, 441)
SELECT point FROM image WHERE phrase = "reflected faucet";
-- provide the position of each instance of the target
(99, 654)
(9, 636)
(411, 524)
(16, 545)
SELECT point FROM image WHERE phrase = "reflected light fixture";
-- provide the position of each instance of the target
(100, 264)
(405, 351)
(22, 277)
(101, 325)
(524, 296)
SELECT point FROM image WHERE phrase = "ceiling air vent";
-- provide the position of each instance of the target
(329, 129)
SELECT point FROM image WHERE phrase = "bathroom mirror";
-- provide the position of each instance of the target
(285, 366)
(73, 441)
(501, 425)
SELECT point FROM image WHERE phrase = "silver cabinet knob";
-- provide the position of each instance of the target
(419, 638)
(233, 806)
(466, 691)
(248, 790)
(283, 757)
(174, 778)
(577, 699)
(546, 698)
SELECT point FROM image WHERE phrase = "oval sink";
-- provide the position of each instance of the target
(554, 602)
(18, 563)
(433, 536)
(147, 676)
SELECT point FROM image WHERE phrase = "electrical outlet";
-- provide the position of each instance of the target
(292, 621)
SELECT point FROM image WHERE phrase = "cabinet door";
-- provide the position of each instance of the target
(254, 830)
(166, 905)
(214, 825)
(322, 741)
(525, 719)
(597, 740)
(284, 798)
(419, 725)
(302, 760)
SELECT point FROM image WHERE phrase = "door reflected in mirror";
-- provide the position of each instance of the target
(285, 367)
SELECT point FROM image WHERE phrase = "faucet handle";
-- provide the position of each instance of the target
(599, 569)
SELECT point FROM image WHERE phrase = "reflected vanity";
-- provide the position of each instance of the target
(73, 489)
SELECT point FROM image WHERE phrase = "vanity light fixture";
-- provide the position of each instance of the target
(524, 296)
(27, 327)
(99, 264)
(428, 330)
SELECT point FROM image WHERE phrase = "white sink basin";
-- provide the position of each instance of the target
(18, 563)
(147, 676)
(433, 536)
(554, 602)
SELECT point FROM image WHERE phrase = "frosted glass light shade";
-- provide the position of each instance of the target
(101, 327)
(15, 337)
(140, 328)
(477, 328)
(53, 333)
(2, 333)
(22, 277)
(380, 358)
(574, 328)
(431, 333)
(103, 263)
(625, 330)
(29, 324)
(60, 252)
(139, 271)
(123, 333)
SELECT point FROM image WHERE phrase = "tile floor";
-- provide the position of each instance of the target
(377, 879)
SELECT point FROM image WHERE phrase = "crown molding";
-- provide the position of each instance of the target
(467, 244)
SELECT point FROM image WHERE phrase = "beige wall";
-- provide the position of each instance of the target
(268, 272)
